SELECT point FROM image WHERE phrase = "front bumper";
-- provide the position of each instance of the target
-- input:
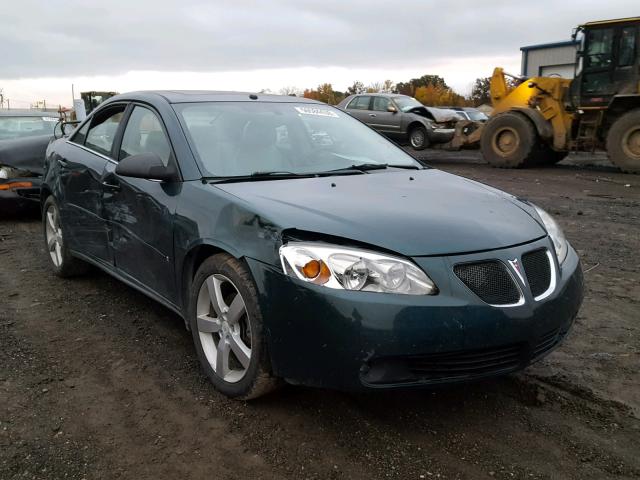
(361, 340)
(441, 135)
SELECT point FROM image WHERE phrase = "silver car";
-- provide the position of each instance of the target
(399, 117)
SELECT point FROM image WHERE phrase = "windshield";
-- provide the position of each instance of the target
(242, 138)
(19, 127)
(406, 103)
(476, 115)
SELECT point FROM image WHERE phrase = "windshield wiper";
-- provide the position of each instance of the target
(256, 176)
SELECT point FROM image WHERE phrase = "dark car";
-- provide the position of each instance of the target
(297, 244)
(401, 118)
(24, 136)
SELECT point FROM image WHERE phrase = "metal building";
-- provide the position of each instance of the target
(549, 59)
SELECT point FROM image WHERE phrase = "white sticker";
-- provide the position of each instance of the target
(50, 119)
(319, 111)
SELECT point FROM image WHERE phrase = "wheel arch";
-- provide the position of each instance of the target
(196, 254)
(542, 125)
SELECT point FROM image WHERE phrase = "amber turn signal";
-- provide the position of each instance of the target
(316, 271)
(11, 185)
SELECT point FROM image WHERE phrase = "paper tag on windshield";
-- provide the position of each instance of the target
(319, 111)
(50, 119)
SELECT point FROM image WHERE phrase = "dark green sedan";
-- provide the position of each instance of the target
(301, 246)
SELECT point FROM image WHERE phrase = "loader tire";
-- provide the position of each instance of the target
(509, 140)
(623, 142)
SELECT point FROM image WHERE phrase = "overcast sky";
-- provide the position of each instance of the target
(46, 45)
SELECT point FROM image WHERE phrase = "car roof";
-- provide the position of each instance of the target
(188, 96)
(24, 112)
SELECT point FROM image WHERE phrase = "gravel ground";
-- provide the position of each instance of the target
(97, 381)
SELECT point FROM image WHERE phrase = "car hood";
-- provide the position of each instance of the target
(415, 213)
(25, 154)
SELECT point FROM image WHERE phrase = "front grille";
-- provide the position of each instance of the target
(490, 281)
(466, 363)
(538, 270)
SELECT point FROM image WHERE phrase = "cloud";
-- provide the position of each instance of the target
(125, 45)
(79, 37)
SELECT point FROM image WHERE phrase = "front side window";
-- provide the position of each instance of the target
(627, 53)
(241, 138)
(103, 130)
(26, 126)
(599, 48)
(144, 134)
(360, 103)
(381, 104)
(80, 136)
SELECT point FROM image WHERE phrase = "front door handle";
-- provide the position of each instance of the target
(372, 114)
(111, 186)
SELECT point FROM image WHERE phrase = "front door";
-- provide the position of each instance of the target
(385, 121)
(139, 212)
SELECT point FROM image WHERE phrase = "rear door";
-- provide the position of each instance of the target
(139, 212)
(82, 162)
(360, 108)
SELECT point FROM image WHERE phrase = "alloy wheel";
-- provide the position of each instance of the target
(54, 235)
(224, 328)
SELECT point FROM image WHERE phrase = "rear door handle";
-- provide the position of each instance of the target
(372, 114)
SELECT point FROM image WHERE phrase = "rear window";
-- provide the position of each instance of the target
(26, 126)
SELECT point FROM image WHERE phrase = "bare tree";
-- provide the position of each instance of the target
(290, 91)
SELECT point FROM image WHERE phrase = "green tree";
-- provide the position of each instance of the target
(480, 92)
(357, 87)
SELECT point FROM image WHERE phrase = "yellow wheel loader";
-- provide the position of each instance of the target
(541, 119)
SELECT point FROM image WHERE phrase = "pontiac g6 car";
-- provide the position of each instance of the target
(299, 245)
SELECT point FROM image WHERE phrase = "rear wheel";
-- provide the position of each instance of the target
(227, 329)
(418, 138)
(63, 263)
(623, 142)
(510, 140)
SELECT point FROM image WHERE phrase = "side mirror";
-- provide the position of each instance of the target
(145, 165)
(392, 109)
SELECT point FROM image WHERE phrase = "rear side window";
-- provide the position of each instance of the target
(103, 130)
(359, 103)
(144, 134)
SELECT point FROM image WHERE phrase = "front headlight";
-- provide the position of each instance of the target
(7, 173)
(347, 268)
(555, 232)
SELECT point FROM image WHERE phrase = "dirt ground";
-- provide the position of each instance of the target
(97, 381)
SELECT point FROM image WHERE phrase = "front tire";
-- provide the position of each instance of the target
(418, 138)
(227, 328)
(62, 262)
(510, 140)
(623, 142)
